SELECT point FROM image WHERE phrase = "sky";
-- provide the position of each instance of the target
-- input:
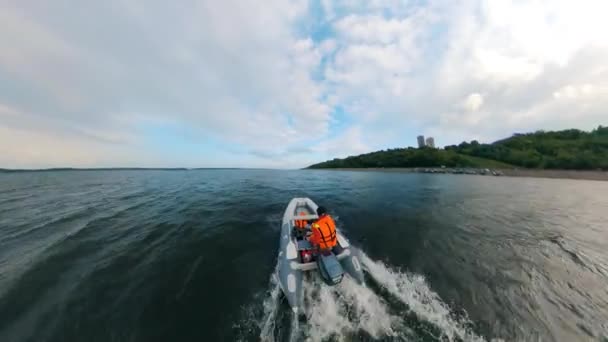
(283, 84)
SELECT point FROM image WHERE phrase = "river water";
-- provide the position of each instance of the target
(189, 256)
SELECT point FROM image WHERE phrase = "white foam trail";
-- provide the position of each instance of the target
(346, 308)
(271, 308)
(412, 290)
(344, 311)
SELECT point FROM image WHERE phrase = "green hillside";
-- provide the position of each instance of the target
(568, 149)
(411, 157)
(479, 162)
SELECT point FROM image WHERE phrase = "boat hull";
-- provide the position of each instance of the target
(289, 268)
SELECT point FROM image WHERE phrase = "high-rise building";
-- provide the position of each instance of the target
(421, 141)
(430, 142)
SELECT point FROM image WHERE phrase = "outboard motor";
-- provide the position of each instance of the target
(330, 268)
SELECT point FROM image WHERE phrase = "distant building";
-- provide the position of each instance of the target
(430, 142)
(421, 141)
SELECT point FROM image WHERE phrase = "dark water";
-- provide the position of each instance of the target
(188, 256)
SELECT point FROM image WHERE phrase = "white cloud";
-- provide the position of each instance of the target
(582, 91)
(520, 54)
(41, 149)
(262, 80)
(415, 70)
(349, 142)
(327, 47)
(372, 71)
(236, 71)
(473, 102)
(373, 29)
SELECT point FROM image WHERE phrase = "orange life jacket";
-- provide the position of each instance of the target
(324, 232)
(301, 224)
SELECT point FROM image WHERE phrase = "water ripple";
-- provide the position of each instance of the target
(186, 255)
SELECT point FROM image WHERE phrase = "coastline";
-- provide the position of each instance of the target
(529, 173)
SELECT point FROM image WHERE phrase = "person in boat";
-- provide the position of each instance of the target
(301, 224)
(324, 234)
(301, 227)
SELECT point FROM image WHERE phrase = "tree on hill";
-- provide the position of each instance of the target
(567, 149)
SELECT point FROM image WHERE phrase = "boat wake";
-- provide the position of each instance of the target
(393, 305)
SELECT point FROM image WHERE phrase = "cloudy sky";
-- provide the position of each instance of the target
(283, 84)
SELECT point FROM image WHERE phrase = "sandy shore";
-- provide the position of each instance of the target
(566, 174)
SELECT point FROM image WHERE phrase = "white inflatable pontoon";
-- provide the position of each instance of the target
(293, 248)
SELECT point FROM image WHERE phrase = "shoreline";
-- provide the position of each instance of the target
(528, 173)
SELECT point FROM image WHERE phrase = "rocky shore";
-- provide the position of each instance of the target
(536, 173)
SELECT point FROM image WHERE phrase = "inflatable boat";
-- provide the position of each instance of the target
(297, 255)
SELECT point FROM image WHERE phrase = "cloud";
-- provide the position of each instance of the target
(291, 82)
(236, 71)
(473, 102)
(349, 142)
(505, 59)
